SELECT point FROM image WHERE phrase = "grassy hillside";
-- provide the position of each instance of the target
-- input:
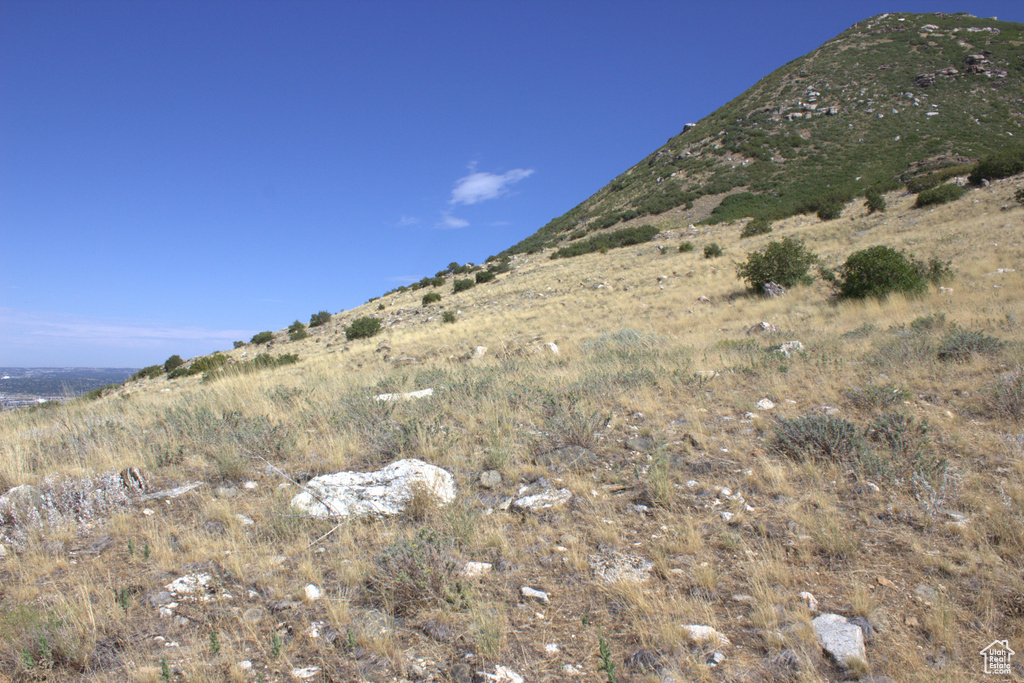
(915, 525)
(893, 97)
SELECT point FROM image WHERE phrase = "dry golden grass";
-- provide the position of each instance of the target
(638, 356)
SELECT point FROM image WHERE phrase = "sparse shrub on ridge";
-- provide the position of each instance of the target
(1019, 195)
(685, 247)
(712, 250)
(960, 344)
(262, 337)
(430, 297)
(199, 365)
(830, 210)
(619, 238)
(483, 276)
(148, 372)
(172, 363)
(417, 572)
(874, 201)
(819, 437)
(297, 331)
(318, 319)
(785, 263)
(448, 317)
(942, 194)
(362, 328)
(756, 226)
(462, 285)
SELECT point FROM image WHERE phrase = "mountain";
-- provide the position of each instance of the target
(893, 97)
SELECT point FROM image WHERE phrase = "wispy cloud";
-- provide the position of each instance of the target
(451, 222)
(406, 221)
(404, 279)
(479, 187)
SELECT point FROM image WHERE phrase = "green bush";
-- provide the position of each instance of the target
(362, 328)
(463, 285)
(1001, 165)
(685, 247)
(959, 345)
(318, 319)
(874, 201)
(430, 297)
(417, 572)
(1019, 195)
(436, 281)
(262, 337)
(297, 331)
(619, 238)
(261, 362)
(830, 210)
(448, 317)
(98, 392)
(712, 250)
(757, 226)
(483, 276)
(173, 363)
(785, 263)
(149, 372)
(819, 437)
(939, 195)
(204, 364)
(238, 344)
(879, 270)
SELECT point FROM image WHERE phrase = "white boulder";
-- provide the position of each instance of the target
(382, 493)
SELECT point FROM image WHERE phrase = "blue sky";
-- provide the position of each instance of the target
(178, 175)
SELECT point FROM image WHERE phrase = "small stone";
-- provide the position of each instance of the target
(809, 600)
(700, 636)
(490, 479)
(313, 593)
(841, 639)
(727, 516)
(552, 648)
(549, 498)
(744, 599)
(765, 404)
(249, 485)
(911, 622)
(243, 520)
(539, 596)
(225, 492)
(925, 592)
(305, 673)
(789, 347)
(475, 569)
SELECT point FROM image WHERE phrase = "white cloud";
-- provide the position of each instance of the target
(451, 222)
(479, 187)
(406, 221)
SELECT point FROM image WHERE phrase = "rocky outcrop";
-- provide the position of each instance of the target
(385, 492)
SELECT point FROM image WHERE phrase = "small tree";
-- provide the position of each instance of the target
(362, 328)
(939, 195)
(463, 285)
(483, 276)
(297, 331)
(318, 319)
(757, 226)
(430, 297)
(262, 337)
(173, 362)
(875, 201)
(785, 263)
(879, 270)
(712, 250)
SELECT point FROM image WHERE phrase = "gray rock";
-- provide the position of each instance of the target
(616, 567)
(382, 493)
(789, 347)
(545, 499)
(840, 639)
(490, 479)
(773, 290)
(572, 457)
(534, 594)
(640, 443)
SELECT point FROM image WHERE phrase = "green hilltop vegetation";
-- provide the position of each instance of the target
(896, 99)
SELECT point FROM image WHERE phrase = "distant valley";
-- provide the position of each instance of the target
(24, 386)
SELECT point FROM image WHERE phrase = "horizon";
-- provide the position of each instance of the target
(179, 177)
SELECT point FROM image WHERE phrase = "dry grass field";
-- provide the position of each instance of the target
(885, 480)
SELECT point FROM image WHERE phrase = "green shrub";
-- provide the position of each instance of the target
(500, 266)
(939, 195)
(879, 270)
(436, 281)
(297, 331)
(149, 372)
(380, 306)
(483, 276)
(417, 572)
(173, 363)
(619, 238)
(362, 328)
(874, 201)
(1019, 195)
(430, 297)
(98, 392)
(318, 319)
(712, 250)
(261, 362)
(199, 365)
(757, 226)
(909, 443)
(238, 344)
(819, 437)
(685, 247)
(463, 285)
(448, 317)
(830, 210)
(1007, 401)
(262, 337)
(1001, 165)
(785, 263)
(960, 344)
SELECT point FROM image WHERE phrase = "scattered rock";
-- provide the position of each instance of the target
(478, 352)
(313, 593)
(762, 327)
(173, 493)
(572, 457)
(134, 480)
(925, 592)
(765, 404)
(841, 639)
(502, 674)
(461, 673)
(475, 569)
(490, 479)
(642, 444)
(617, 567)
(789, 347)
(809, 600)
(699, 636)
(305, 673)
(643, 661)
(532, 593)
(545, 499)
(384, 492)
(772, 290)
(412, 395)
